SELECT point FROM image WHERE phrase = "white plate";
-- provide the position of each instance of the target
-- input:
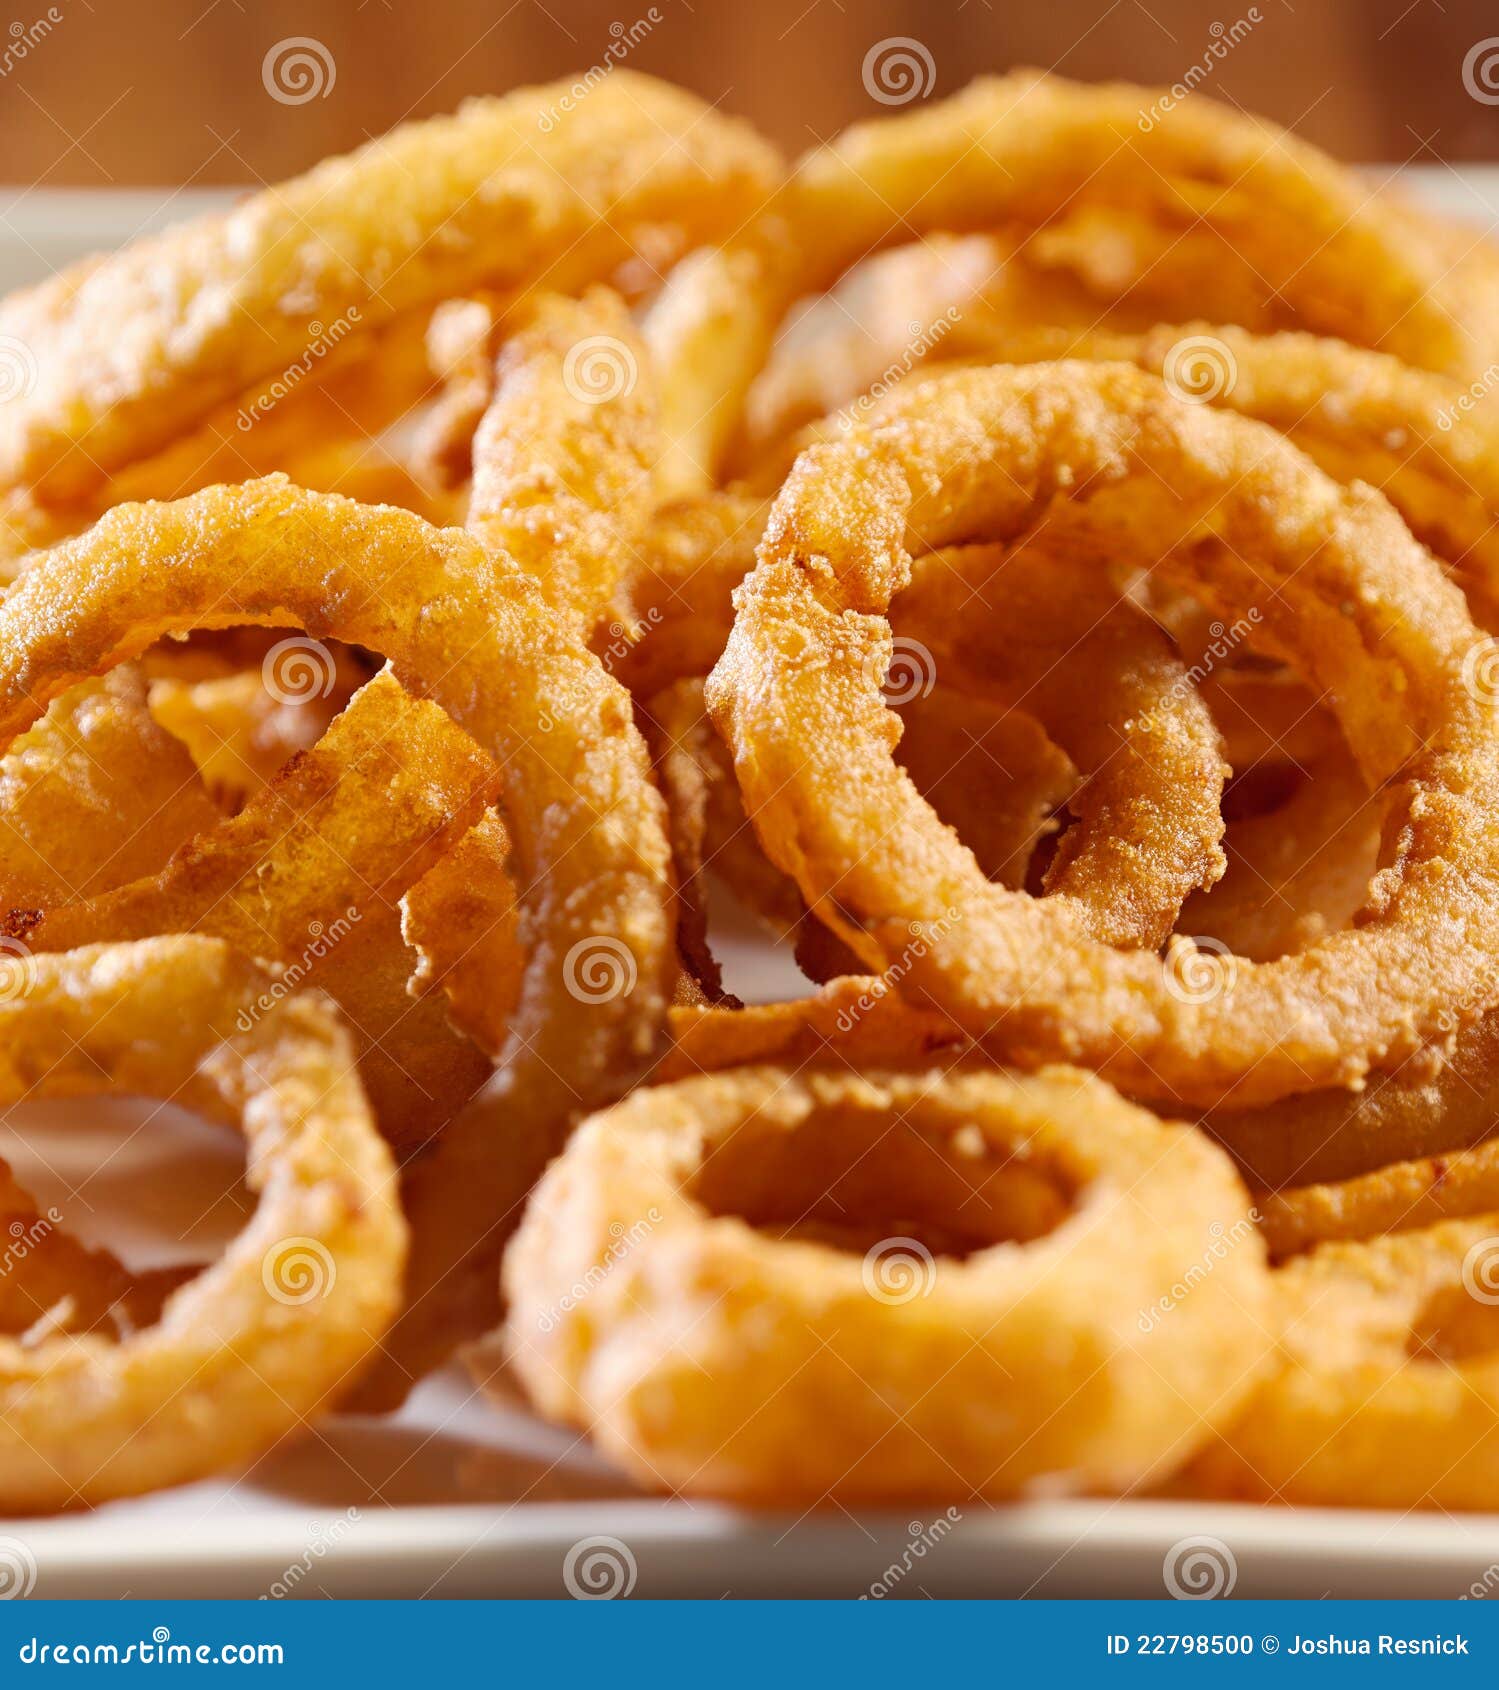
(455, 1497)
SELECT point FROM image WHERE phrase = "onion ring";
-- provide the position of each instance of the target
(990, 772)
(692, 555)
(1233, 513)
(326, 433)
(54, 1283)
(1042, 629)
(308, 878)
(468, 628)
(1420, 438)
(428, 211)
(854, 1022)
(1386, 1394)
(1032, 630)
(260, 1341)
(468, 897)
(731, 1359)
(1402, 1197)
(1337, 1135)
(1027, 148)
(95, 769)
(564, 454)
(1297, 872)
(242, 727)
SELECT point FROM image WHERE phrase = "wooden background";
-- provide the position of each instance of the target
(171, 91)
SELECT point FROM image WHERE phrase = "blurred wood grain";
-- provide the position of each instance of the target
(171, 91)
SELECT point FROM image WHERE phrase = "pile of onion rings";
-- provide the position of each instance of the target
(1041, 566)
